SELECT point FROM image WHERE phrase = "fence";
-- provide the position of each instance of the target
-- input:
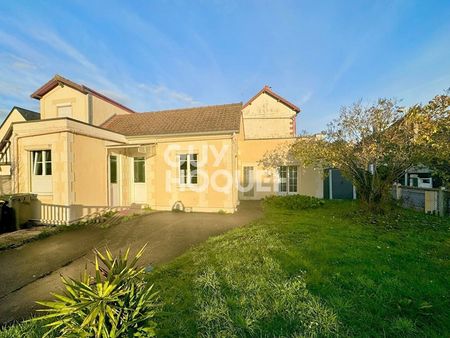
(434, 201)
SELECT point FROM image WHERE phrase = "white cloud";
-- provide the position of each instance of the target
(164, 95)
(306, 97)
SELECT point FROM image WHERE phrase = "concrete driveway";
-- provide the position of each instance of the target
(31, 272)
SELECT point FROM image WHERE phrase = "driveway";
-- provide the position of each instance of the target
(31, 272)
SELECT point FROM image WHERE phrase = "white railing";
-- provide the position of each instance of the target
(5, 154)
(64, 215)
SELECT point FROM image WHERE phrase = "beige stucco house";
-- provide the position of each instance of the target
(86, 152)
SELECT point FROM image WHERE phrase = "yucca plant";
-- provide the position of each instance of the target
(116, 302)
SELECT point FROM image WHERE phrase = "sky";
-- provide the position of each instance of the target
(154, 55)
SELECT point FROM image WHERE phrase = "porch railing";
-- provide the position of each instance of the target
(5, 154)
(63, 214)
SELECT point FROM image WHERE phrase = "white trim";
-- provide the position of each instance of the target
(118, 178)
(288, 176)
(133, 184)
(188, 170)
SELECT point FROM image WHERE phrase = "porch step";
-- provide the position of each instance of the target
(138, 206)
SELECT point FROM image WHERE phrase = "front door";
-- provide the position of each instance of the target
(114, 198)
(139, 190)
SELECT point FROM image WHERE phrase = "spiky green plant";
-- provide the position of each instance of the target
(116, 302)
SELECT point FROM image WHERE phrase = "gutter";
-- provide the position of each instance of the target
(221, 132)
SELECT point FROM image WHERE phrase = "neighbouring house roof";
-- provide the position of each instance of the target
(268, 90)
(59, 80)
(178, 121)
(27, 114)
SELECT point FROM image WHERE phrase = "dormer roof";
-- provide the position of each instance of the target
(59, 80)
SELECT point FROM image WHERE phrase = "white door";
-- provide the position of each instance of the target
(114, 197)
(139, 190)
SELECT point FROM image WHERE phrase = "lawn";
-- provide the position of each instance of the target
(326, 271)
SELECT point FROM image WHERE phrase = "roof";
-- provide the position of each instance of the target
(268, 90)
(27, 114)
(205, 119)
(58, 80)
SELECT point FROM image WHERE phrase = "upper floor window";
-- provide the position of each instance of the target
(42, 162)
(65, 111)
(188, 168)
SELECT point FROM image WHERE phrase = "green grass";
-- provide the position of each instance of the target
(324, 271)
(25, 329)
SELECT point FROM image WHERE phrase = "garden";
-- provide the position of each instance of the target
(307, 268)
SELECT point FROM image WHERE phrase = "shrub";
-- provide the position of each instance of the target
(294, 202)
(116, 302)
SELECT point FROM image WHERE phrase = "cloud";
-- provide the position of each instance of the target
(306, 97)
(162, 95)
(57, 43)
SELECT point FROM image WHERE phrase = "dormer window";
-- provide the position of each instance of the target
(65, 110)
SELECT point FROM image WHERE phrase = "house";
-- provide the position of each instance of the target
(16, 114)
(87, 151)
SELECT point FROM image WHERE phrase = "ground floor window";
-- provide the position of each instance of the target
(187, 164)
(42, 162)
(288, 179)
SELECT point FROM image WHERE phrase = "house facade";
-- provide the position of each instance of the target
(86, 151)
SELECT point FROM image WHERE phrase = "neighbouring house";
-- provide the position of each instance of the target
(86, 151)
(16, 114)
(420, 177)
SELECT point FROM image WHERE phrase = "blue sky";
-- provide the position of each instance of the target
(153, 55)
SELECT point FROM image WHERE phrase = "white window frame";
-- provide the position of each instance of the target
(188, 175)
(42, 183)
(288, 178)
(136, 161)
(44, 162)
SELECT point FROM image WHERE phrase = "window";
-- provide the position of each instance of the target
(288, 179)
(113, 169)
(188, 168)
(41, 172)
(42, 162)
(139, 170)
(65, 111)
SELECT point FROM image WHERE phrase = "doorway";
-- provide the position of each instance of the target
(114, 189)
(138, 180)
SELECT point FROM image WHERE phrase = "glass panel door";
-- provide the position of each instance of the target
(114, 189)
